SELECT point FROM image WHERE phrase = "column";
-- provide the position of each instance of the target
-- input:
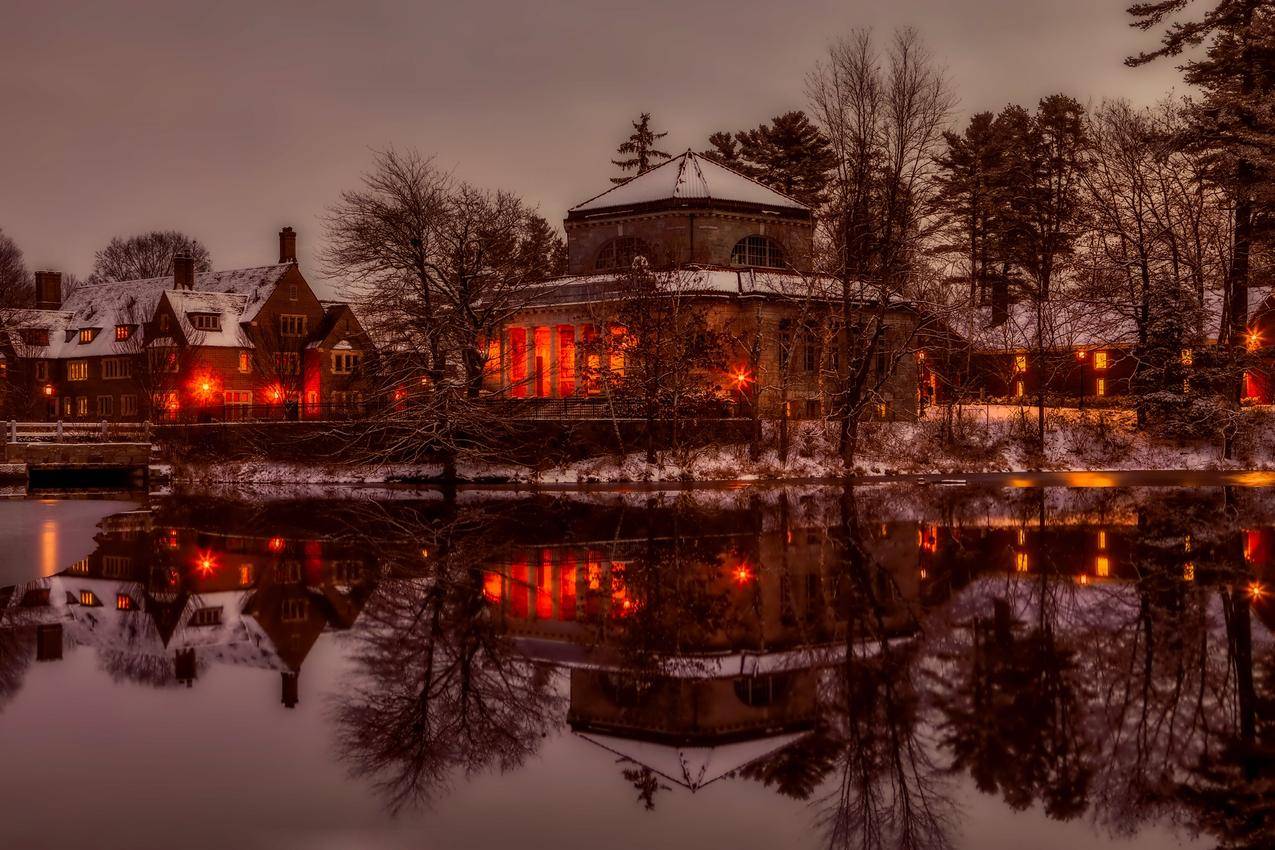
(554, 353)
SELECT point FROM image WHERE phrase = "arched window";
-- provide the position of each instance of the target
(620, 253)
(757, 250)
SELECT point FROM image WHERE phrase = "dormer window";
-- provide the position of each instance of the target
(87, 335)
(205, 321)
(123, 332)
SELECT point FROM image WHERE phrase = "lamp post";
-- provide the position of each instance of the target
(1082, 356)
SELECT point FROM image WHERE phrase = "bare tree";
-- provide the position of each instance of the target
(147, 255)
(884, 116)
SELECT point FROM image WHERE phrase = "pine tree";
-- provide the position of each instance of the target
(542, 253)
(790, 155)
(639, 149)
(1235, 118)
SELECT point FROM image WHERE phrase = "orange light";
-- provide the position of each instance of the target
(923, 574)
(204, 386)
(1081, 355)
(275, 393)
(492, 586)
(424, 553)
(741, 378)
(742, 574)
(48, 390)
(1253, 341)
(1256, 590)
(1083, 579)
(400, 394)
(206, 564)
(276, 544)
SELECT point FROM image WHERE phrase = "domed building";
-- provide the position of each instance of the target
(737, 251)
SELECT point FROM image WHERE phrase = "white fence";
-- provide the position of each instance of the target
(77, 432)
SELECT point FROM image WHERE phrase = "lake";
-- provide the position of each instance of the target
(1087, 663)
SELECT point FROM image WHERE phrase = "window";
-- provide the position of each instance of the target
(811, 348)
(347, 401)
(116, 367)
(245, 362)
(288, 363)
(163, 358)
(1020, 363)
(87, 335)
(105, 405)
(1101, 387)
(813, 410)
(89, 598)
(1100, 360)
(246, 574)
(1102, 566)
(116, 566)
(163, 322)
(124, 602)
(758, 250)
(620, 253)
(165, 404)
(123, 332)
(288, 571)
(68, 407)
(1019, 389)
(292, 292)
(294, 610)
(41, 370)
(81, 566)
(238, 403)
(206, 617)
(35, 337)
(128, 405)
(77, 370)
(345, 362)
(292, 325)
(1188, 357)
(82, 405)
(205, 321)
(1020, 562)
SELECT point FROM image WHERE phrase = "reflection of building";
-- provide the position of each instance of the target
(160, 604)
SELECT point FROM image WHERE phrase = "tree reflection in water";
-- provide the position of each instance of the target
(439, 691)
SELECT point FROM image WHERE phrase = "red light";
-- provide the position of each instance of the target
(206, 564)
(1256, 590)
(1081, 355)
(399, 394)
(276, 544)
(742, 574)
(205, 386)
(741, 378)
(48, 390)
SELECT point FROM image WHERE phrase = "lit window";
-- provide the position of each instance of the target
(206, 617)
(124, 602)
(81, 566)
(1102, 566)
(245, 362)
(292, 325)
(128, 405)
(77, 370)
(89, 598)
(1019, 389)
(163, 358)
(82, 405)
(620, 253)
(87, 335)
(1101, 388)
(1020, 362)
(1020, 562)
(1188, 357)
(116, 566)
(122, 333)
(246, 574)
(1102, 540)
(1188, 571)
(294, 610)
(1100, 360)
(759, 251)
(105, 405)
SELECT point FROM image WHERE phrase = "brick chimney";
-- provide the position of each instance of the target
(287, 245)
(48, 290)
(183, 272)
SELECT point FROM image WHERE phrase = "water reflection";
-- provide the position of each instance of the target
(1102, 654)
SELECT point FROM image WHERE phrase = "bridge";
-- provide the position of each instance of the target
(61, 454)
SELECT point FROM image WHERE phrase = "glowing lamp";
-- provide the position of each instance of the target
(205, 564)
(742, 574)
(741, 378)
(276, 544)
(1256, 590)
(1253, 341)
(1081, 355)
(48, 390)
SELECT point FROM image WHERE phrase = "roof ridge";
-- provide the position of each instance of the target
(631, 179)
(738, 173)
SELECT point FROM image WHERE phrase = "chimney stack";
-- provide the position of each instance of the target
(287, 245)
(48, 290)
(183, 272)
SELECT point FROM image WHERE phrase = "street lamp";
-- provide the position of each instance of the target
(1082, 356)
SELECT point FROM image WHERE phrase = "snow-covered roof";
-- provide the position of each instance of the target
(694, 280)
(229, 307)
(685, 177)
(693, 767)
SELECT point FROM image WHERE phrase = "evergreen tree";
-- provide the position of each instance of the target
(639, 149)
(1237, 75)
(790, 155)
(542, 253)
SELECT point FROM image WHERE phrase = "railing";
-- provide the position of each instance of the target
(77, 432)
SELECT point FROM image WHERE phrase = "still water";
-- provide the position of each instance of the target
(890, 666)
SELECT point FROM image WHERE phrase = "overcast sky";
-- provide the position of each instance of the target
(230, 119)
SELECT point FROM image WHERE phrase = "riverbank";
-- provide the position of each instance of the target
(986, 439)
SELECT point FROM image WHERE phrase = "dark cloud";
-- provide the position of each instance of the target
(231, 119)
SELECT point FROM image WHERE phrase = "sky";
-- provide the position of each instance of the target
(229, 120)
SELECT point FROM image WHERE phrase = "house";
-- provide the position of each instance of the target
(731, 246)
(241, 343)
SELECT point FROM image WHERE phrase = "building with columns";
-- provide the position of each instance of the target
(730, 245)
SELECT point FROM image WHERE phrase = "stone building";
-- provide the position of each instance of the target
(731, 245)
(243, 343)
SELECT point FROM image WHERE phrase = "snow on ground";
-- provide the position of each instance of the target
(991, 438)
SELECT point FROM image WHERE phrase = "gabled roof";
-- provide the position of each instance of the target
(228, 306)
(688, 176)
(693, 767)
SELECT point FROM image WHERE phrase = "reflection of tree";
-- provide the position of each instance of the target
(16, 652)
(888, 790)
(647, 783)
(438, 690)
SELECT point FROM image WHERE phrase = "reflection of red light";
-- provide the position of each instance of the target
(399, 394)
(48, 390)
(742, 574)
(491, 587)
(276, 544)
(206, 564)
(1256, 590)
